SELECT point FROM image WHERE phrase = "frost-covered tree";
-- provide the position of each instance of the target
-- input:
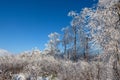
(84, 31)
(106, 29)
(74, 21)
(105, 24)
(81, 31)
(66, 40)
(52, 45)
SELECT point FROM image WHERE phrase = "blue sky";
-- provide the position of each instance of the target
(25, 24)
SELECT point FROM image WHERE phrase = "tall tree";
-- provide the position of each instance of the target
(74, 28)
(105, 23)
(105, 29)
(81, 31)
(67, 39)
(84, 31)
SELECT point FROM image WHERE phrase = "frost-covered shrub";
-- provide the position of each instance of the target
(44, 66)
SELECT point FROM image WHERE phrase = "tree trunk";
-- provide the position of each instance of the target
(75, 32)
(86, 49)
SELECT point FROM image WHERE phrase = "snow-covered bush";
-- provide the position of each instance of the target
(47, 67)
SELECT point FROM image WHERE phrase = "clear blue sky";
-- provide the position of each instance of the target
(25, 24)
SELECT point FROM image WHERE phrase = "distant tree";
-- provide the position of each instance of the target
(52, 45)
